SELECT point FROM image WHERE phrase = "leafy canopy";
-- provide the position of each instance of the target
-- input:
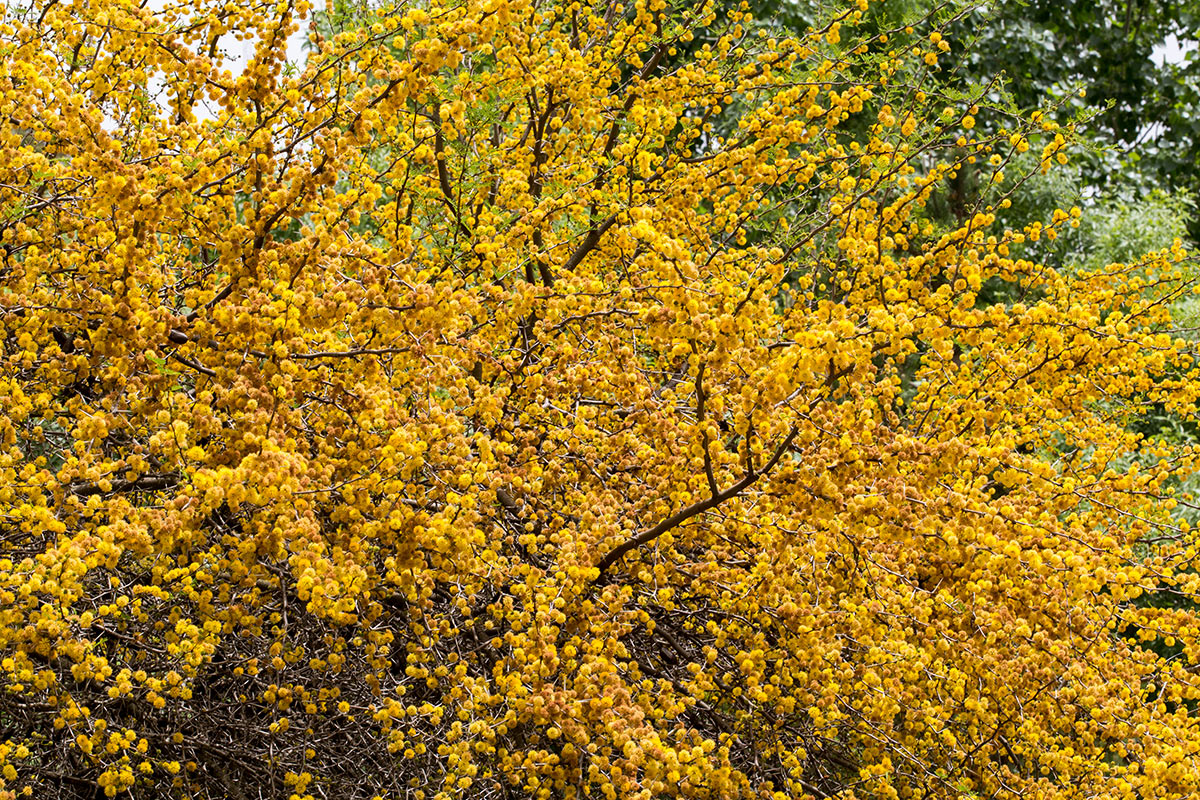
(566, 400)
(1137, 64)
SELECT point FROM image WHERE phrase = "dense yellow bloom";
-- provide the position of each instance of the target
(564, 400)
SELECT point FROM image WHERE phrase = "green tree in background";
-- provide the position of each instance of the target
(1138, 113)
(1142, 109)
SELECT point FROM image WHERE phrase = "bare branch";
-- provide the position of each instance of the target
(683, 515)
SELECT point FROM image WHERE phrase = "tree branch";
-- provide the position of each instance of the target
(700, 398)
(683, 515)
(146, 483)
(589, 243)
(439, 152)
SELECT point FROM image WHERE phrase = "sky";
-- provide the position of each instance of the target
(1173, 51)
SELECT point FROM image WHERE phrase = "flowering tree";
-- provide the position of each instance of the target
(546, 399)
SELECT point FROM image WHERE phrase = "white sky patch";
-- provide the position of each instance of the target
(234, 55)
(1173, 50)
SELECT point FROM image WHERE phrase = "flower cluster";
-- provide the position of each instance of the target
(565, 400)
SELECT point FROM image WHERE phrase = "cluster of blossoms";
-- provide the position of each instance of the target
(566, 400)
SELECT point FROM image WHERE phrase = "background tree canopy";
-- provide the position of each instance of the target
(1137, 62)
(1115, 51)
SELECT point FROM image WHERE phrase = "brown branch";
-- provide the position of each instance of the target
(535, 174)
(700, 398)
(630, 99)
(218, 297)
(683, 515)
(176, 336)
(382, 351)
(439, 153)
(589, 243)
(187, 362)
(146, 483)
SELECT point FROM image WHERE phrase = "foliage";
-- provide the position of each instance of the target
(1113, 229)
(462, 414)
(1148, 123)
